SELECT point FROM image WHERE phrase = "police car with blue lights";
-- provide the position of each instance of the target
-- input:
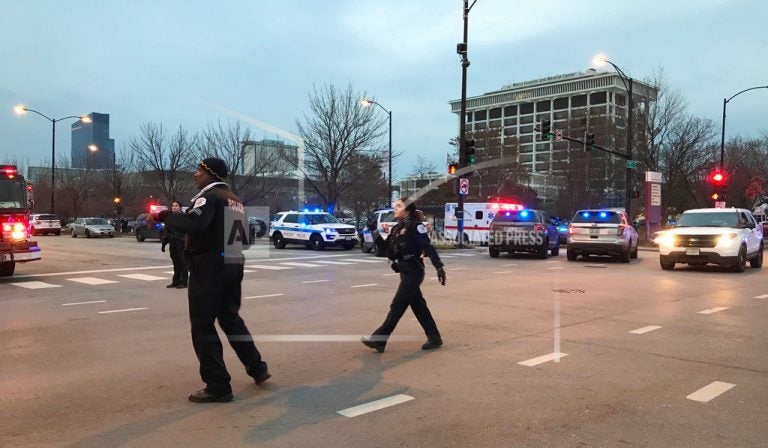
(375, 226)
(314, 229)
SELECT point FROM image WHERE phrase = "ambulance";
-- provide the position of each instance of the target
(477, 220)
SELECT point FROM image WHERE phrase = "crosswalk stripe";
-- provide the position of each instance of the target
(365, 285)
(334, 262)
(542, 359)
(83, 303)
(264, 296)
(375, 405)
(92, 281)
(710, 391)
(713, 310)
(35, 285)
(362, 260)
(302, 265)
(268, 267)
(143, 277)
(644, 330)
(763, 296)
(122, 311)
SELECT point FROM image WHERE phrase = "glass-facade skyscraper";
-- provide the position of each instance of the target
(94, 133)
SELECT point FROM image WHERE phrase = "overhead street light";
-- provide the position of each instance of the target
(722, 131)
(367, 103)
(21, 110)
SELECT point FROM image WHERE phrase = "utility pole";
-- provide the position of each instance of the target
(461, 49)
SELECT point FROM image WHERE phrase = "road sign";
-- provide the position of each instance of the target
(632, 164)
(720, 204)
(464, 186)
(558, 135)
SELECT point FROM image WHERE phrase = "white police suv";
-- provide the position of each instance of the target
(316, 230)
(724, 236)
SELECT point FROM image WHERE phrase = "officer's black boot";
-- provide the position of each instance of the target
(376, 345)
(432, 343)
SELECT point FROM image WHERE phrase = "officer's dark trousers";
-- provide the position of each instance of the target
(409, 294)
(180, 270)
(214, 293)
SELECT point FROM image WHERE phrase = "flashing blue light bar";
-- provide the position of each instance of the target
(603, 214)
(507, 214)
(524, 213)
(306, 210)
(585, 214)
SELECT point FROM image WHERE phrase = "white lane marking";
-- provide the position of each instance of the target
(263, 296)
(302, 265)
(361, 260)
(35, 285)
(333, 262)
(83, 303)
(92, 281)
(375, 405)
(465, 255)
(710, 391)
(503, 272)
(365, 285)
(122, 311)
(314, 281)
(267, 267)
(764, 296)
(556, 267)
(542, 359)
(97, 271)
(447, 256)
(553, 261)
(457, 269)
(168, 272)
(647, 329)
(508, 264)
(435, 278)
(248, 271)
(713, 310)
(143, 277)
(390, 275)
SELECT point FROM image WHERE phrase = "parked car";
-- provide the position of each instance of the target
(148, 228)
(43, 224)
(91, 227)
(602, 232)
(315, 230)
(375, 224)
(257, 227)
(523, 230)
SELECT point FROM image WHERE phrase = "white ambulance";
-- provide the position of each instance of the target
(477, 220)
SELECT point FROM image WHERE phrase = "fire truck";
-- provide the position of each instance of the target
(15, 243)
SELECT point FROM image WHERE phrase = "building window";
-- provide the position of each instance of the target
(527, 129)
(620, 99)
(469, 117)
(494, 124)
(526, 138)
(526, 108)
(480, 115)
(579, 101)
(598, 98)
(479, 214)
(561, 115)
(526, 158)
(561, 103)
(597, 111)
(494, 113)
(527, 119)
(479, 126)
(510, 111)
(543, 106)
(510, 121)
(509, 132)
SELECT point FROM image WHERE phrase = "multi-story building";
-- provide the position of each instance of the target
(573, 102)
(89, 136)
(410, 185)
(268, 157)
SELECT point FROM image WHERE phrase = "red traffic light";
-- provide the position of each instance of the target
(29, 187)
(452, 168)
(717, 178)
(715, 196)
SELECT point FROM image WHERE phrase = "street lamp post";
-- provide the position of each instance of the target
(20, 110)
(115, 183)
(630, 131)
(367, 102)
(722, 133)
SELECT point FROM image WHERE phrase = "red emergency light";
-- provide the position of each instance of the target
(9, 170)
(506, 206)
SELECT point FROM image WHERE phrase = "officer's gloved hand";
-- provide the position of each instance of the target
(395, 267)
(441, 275)
(162, 215)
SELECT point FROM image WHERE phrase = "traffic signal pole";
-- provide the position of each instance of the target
(461, 49)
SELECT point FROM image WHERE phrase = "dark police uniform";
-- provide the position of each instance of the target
(215, 288)
(175, 241)
(407, 241)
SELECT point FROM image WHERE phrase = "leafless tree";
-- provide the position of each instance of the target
(336, 129)
(168, 158)
(74, 188)
(423, 168)
(371, 192)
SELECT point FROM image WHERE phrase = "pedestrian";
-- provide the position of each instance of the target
(406, 243)
(215, 278)
(175, 240)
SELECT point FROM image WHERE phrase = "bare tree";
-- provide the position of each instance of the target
(337, 128)
(423, 168)
(371, 192)
(166, 157)
(74, 188)
(656, 120)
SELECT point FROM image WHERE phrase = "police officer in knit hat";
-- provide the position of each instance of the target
(215, 283)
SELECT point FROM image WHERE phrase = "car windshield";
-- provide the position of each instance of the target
(12, 194)
(319, 218)
(48, 218)
(717, 219)
(96, 222)
(596, 217)
(516, 216)
(388, 217)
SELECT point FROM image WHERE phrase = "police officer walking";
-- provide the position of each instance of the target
(175, 240)
(215, 283)
(407, 241)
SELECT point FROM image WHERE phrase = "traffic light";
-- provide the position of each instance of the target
(589, 141)
(452, 168)
(29, 186)
(717, 196)
(469, 151)
(718, 177)
(545, 129)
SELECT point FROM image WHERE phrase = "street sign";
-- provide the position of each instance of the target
(558, 135)
(464, 186)
(720, 204)
(632, 164)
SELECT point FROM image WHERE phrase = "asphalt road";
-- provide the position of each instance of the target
(96, 352)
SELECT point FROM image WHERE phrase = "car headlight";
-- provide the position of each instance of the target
(665, 240)
(328, 230)
(727, 238)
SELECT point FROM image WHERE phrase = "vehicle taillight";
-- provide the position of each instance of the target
(570, 229)
(620, 230)
(15, 227)
(538, 227)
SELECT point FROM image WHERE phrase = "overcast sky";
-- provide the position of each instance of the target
(192, 62)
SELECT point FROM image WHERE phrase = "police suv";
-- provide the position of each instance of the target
(376, 223)
(316, 230)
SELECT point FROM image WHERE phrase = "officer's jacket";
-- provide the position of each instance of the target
(204, 220)
(408, 240)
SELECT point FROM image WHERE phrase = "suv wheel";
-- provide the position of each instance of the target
(555, 251)
(316, 241)
(379, 252)
(666, 265)
(757, 261)
(139, 237)
(32, 231)
(626, 256)
(278, 240)
(571, 255)
(741, 262)
(541, 252)
(634, 253)
(494, 252)
(57, 233)
(365, 249)
(87, 233)
(74, 235)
